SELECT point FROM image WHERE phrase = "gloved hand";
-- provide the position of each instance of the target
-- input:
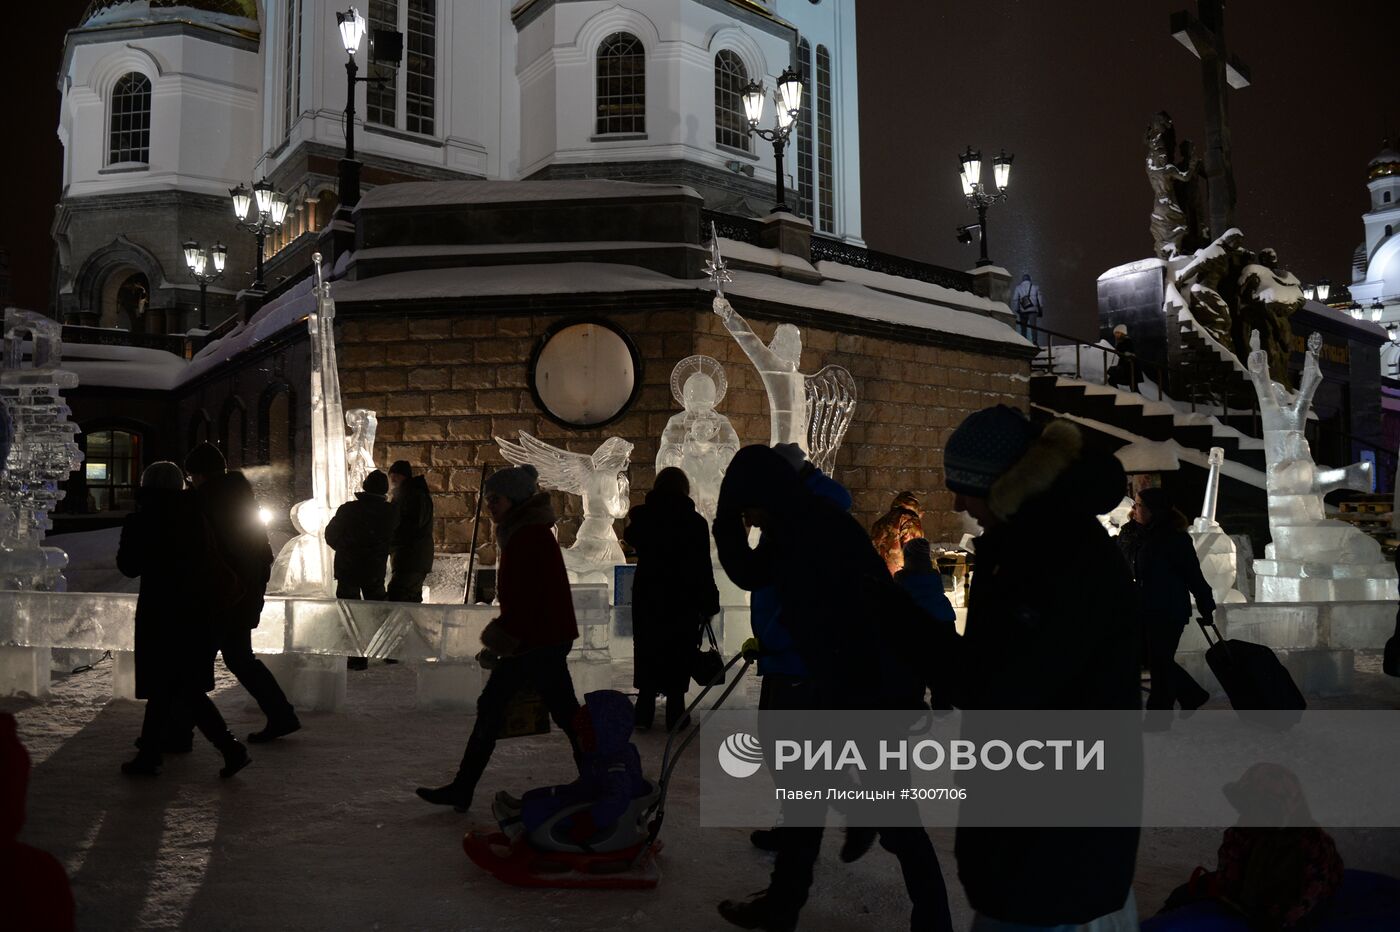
(751, 649)
(498, 640)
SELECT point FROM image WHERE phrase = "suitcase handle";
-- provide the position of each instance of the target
(1219, 638)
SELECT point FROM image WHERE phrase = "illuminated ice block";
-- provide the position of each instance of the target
(699, 441)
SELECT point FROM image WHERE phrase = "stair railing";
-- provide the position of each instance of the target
(1125, 365)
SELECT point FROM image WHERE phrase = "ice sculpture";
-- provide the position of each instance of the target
(811, 411)
(42, 451)
(601, 480)
(1311, 558)
(699, 440)
(311, 565)
(1214, 548)
(359, 446)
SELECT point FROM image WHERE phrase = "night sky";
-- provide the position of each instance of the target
(1068, 87)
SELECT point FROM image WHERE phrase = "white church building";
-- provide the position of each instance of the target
(1375, 285)
(169, 104)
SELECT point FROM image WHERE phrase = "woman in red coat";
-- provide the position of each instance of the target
(532, 635)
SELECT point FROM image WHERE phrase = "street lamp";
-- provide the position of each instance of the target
(272, 210)
(199, 263)
(788, 101)
(1355, 310)
(352, 32)
(1377, 309)
(979, 196)
(1324, 288)
(1309, 292)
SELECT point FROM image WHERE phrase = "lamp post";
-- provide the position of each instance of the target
(272, 210)
(352, 31)
(1377, 310)
(979, 196)
(788, 101)
(199, 262)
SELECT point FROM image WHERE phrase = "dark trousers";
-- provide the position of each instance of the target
(1170, 683)
(547, 670)
(173, 704)
(405, 587)
(798, 848)
(370, 590)
(237, 648)
(646, 708)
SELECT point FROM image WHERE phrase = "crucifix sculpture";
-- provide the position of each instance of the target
(1204, 36)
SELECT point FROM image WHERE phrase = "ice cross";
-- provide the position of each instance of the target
(714, 266)
(1204, 37)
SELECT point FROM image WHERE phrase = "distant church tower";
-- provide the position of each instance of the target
(158, 119)
(1376, 263)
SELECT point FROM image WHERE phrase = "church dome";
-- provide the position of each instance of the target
(1386, 162)
(237, 14)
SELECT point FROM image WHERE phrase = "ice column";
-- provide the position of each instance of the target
(42, 451)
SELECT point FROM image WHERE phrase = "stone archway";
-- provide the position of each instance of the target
(124, 299)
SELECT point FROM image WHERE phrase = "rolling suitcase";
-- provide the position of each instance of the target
(1252, 676)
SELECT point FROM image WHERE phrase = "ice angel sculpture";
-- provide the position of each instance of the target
(600, 480)
(812, 411)
(699, 440)
(1311, 558)
(363, 425)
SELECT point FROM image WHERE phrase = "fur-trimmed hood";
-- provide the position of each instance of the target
(1056, 474)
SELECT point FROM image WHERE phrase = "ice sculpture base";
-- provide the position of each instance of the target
(123, 674)
(1280, 581)
(24, 671)
(312, 682)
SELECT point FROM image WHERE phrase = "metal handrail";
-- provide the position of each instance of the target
(1136, 369)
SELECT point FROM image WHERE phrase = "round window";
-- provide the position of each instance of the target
(584, 373)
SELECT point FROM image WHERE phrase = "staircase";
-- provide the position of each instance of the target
(1129, 416)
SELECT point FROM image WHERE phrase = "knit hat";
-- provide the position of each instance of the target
(205, 460)
(918, 556)
(401, 468)
(376, 482)
(792, 454)
(516, 483)
(163, 475)
(1121, 328)
(986, 444)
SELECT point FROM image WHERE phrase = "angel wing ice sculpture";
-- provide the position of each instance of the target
(810, 411)
(599, 479)
(831, 403)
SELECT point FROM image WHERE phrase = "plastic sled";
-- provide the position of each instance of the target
(623, 860)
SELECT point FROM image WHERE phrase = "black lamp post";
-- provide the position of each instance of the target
(199, 263)
(789, 104)
(979, 196)
(352, 32)
(272, 210)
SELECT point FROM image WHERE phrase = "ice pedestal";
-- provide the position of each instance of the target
(312, 682)
(123, 674)
(24, 671)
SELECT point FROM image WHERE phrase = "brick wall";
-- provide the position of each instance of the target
(445, 385)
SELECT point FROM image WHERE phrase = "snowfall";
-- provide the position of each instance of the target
(323, 831)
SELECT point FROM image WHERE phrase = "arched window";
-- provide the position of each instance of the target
(826, 169)
(276, 446)
(731, 77)
(130, 138)
(416, 98)
(112, 469)
(233, 432)
(622, 80)
(804, 130)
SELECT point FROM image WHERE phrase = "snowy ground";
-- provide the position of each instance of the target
(323, 830)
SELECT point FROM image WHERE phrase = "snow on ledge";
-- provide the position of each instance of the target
(448, 193)
(911, 287)
(110, 366)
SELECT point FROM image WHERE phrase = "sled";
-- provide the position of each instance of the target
(545, 857)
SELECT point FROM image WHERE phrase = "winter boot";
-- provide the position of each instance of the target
(676, 717)
(456, 795)
(144, 764)
(276, 728)
(759, 911)
(857, 842)
(235, 756)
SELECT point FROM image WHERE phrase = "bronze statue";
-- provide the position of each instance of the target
(1169, 221)
(1191, 196)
